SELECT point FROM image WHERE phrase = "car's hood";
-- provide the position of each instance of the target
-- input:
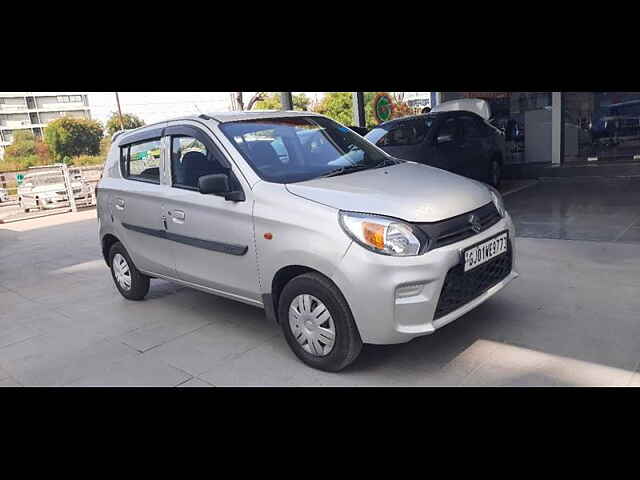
(52, 187)
(410, 191)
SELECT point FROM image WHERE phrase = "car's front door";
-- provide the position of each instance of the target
(212, 238)
(404, 140)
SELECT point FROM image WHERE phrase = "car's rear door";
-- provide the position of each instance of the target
(475, 147)
(211, 237)
(137, 204)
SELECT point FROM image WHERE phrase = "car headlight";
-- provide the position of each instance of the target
(496, 197)
(387, 236)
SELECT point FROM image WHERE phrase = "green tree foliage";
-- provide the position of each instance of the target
(71, 137)
(339, 106)
(130, 121)
(271, 101)
(25, 151)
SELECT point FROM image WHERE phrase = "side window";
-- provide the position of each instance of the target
(141, 161)
(448, 129)
(408, 133)
(190, 160)
(470, 127)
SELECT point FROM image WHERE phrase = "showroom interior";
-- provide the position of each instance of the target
(565, 133)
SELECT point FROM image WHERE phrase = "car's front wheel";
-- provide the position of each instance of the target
(132, 284)
(317, 323)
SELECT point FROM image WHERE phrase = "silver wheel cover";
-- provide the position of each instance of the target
(312, 325)
(121, 271)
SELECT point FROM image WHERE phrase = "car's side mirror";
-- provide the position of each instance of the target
(444, 139)
(218, 184)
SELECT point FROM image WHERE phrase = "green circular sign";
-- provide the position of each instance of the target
(383, 108)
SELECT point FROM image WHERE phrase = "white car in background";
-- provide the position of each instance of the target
(3, 195)
(46, 190)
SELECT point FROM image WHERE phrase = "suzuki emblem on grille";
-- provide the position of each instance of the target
(474, 220)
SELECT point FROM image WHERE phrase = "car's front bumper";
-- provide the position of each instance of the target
(394, 299)
(62, 202)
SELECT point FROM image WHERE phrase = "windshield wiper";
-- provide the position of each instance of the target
(387, 162)
(346, 169)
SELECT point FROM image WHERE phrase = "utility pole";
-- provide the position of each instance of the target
(119, 111)
(358, 109)
(286, 101)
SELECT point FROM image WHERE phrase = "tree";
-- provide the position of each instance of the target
(27, 151)
(239, 102)
(130, 121)
(271, 101)
(339, 106)
(71, 137)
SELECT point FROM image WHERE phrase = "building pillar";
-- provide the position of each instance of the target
(286, 100)
(435, 98)
(557, 128)
(359, 119)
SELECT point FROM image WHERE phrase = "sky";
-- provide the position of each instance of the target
(158, 106)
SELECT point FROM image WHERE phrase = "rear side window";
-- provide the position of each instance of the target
(471, 127)
(141, 161)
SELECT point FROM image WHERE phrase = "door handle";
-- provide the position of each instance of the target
(178, 216)
(120, 203)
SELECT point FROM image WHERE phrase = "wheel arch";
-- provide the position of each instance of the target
(108, 241)
(280, 279)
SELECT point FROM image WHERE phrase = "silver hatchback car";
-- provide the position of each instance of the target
(340, 243)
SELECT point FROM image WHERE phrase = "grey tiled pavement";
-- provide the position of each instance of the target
(573, 318)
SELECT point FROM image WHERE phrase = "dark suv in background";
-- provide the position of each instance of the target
(458, 141)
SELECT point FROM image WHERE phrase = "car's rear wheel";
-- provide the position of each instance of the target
(317, 323)
(131, 284)
(495, 173)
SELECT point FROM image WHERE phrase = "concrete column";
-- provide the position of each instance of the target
(359, 119)
(286, 100)
(557, 130)
(435, 98)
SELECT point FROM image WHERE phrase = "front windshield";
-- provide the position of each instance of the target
(42, 180)
(295, 149)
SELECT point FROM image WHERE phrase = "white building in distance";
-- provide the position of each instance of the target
(33, 110)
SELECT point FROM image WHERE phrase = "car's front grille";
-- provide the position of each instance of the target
(458, 228)
(461, 287)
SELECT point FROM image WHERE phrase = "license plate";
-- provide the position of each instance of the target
(485, 251)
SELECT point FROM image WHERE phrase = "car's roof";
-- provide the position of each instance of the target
(412, 117)
(223, 117)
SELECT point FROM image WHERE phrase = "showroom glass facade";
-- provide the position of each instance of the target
(524, 117)
(602, 126)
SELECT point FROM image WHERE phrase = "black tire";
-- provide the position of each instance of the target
(495, 173)
(139, 282)
(348, 343)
